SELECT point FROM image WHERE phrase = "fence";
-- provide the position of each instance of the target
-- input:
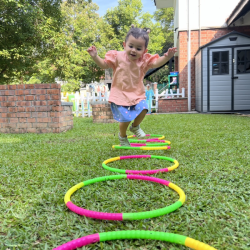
(172, 94)
(82, 104)
(162, 87)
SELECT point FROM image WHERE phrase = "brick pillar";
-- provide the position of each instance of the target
(33, 108)
(172, 105)
(102, 113)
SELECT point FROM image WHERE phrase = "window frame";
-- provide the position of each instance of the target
(220, 62)
(245, 62)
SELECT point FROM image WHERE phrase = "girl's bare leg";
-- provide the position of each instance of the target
(124, 125)
(123, 128)
(139, 118)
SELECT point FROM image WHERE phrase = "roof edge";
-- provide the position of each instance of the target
(236, 11)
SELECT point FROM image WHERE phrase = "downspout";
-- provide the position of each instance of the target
(189, 59)
(199, 23)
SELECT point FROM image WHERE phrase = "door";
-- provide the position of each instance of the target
(241, 78)
(220, 80)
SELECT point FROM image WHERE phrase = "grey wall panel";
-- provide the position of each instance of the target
(241, 86)
(198, 82)
(241, 40)
(214, 96)
(242, 89)
(224, 94)
(220, 86)
(204, 79)
(242, 99)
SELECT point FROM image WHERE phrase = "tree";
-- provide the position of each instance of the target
(156, 36)
(25, 28)
(130, 12)
(60, 50)
(165, 17)
(121, 17)
(83, 28)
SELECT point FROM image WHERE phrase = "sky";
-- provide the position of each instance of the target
(148, 5)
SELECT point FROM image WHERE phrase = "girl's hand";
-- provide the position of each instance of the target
(92, 51)
(171, 52)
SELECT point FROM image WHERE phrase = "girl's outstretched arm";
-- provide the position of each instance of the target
(98, 60)
(165, 58)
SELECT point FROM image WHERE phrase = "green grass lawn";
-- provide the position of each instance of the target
(36, 170)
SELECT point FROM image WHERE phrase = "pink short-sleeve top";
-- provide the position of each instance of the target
(127, 87)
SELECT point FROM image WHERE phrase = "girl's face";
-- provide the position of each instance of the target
(134, 47)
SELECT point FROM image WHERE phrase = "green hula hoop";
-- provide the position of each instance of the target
(153, 171)
(135, 234)
(125, 216)
(141, 144)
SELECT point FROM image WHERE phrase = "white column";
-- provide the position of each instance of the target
(189, 56)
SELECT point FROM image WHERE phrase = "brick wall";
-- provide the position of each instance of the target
(101, 112)
(172, 105)
(206, 37)
(176, 63)
(34, 108)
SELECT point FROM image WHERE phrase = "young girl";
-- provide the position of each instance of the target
(127, 95)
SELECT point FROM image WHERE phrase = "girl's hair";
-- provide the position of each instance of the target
(137, 32)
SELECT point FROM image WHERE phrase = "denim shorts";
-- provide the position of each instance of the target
(128, 113)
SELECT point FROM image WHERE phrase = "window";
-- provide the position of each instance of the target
(220, 63)
(243, 61)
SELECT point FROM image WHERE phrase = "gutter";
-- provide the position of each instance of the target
(189, 58)
(236, 11)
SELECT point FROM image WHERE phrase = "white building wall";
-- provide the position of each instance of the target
(176, 23)
(210, 14)
(213, 13)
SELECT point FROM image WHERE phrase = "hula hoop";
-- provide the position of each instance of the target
(160, 137)
(140, 144)
(135, 234)
(124, 216)
(123, 171)
(147, 147)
